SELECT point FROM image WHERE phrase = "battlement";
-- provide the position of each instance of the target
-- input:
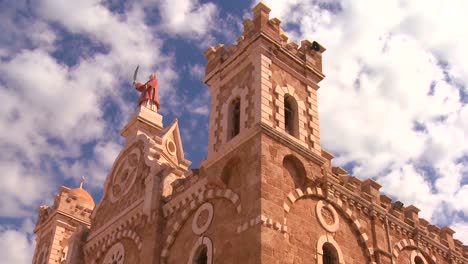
(308, 54)
(367, 194)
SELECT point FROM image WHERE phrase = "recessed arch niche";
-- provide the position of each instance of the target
(294, 173)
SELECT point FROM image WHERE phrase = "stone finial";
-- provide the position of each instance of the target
(82, 182)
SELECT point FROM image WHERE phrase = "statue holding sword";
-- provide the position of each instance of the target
(149, 91)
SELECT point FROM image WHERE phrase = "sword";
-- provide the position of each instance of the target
(135, 74)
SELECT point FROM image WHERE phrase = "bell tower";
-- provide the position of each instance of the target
(264, 135)
(264, 82)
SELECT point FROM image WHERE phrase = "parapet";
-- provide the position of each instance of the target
(74, 203)
(367, 194)
(308, 54)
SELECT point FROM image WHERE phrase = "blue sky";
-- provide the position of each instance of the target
(393, 106)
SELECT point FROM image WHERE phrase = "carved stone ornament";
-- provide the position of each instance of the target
(124, 174)
(202, 218)
(171, 147)
(327, 216)
(115, 255)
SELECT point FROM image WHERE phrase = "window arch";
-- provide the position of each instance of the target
(291, 115)
(330, 255)
(418, 260)
(201, 256)
(234, 114)
(328, 251)
(202, 252)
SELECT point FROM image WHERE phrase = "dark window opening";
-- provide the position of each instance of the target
(330, 255)
(290, 115)
(234, 118)
(202, 256)
(418, 260)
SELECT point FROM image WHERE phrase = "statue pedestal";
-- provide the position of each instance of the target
(143, 121)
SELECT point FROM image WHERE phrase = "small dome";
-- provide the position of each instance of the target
(83, 197)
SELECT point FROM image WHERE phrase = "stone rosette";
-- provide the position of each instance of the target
(327, 216)
(202, 218)
(115, 255)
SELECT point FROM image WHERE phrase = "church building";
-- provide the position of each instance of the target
(266, 193)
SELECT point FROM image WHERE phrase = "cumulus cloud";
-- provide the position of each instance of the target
(52, 109)
(190, 17)
(17, 244)
(391, 105)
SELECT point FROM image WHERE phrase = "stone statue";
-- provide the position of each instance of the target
(149, 92)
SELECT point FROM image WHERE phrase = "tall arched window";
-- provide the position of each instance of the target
(234, 118)
(202, 256)
(418, 260)
(330, 255)
(290, 115)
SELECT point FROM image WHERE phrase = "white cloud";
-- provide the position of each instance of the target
(52, 109)
(190, 17)
(17, 245)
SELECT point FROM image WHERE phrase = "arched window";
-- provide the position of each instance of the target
(202, 256)
(330, 255)
(202, 252)
(418, 260)
(234, 118)
(290, 115)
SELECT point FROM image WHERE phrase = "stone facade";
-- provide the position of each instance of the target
(267, 192)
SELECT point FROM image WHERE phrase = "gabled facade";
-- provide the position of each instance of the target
(266, 193)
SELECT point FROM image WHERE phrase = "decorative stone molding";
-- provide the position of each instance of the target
(240, 93)
(129, 234)
(191, 204)
(416, 253)
(115, 255)
(345, 209)
(301, 109)
(202, 218)
(327, 216)
(411, 244)
(198, 196)
(171, 147)
(123, 229)
(328, 239)
(124, 173)
(202, 241)
(265, 221)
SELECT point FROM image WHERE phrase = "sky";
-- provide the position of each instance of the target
(393, 107)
